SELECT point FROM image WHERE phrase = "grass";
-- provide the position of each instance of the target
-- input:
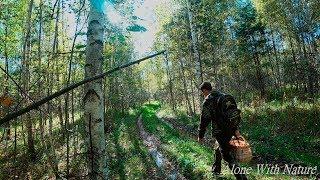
(128, 158)
(278, 132)
(283, 131)
(193, 159)
(266, 133)
(287, 131)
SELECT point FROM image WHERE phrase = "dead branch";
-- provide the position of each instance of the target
(44, 100)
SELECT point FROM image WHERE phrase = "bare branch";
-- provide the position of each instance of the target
(44, 100)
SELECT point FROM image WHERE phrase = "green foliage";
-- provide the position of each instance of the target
(80, 46)
(136, 28)
(284, 131)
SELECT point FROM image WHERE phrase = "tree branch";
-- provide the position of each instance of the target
(44, 100)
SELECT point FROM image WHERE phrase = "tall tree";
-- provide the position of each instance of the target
(26, 78)
(93, 99)
(250, 44)
(194, 39)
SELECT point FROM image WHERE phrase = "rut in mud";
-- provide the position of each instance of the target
(153, 143)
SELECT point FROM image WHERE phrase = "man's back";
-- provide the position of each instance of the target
(218, 109)
(211, 113)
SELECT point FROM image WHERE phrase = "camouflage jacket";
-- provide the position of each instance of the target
(210, 115)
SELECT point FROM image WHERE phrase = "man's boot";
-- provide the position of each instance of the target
(216, 167)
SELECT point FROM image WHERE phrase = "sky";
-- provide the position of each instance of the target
(142, 41)
(144, 10)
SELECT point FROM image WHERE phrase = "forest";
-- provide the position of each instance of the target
(109, 89)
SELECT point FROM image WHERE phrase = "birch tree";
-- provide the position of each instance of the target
(93, 99)
(196, 52)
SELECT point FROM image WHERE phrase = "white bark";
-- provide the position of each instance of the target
(196, 53)
(194, 40)
(93, 99)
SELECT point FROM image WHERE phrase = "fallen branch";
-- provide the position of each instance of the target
(19, 87)
(44, 100)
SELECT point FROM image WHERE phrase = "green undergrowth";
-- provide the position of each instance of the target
(279, 132)
(195, 160)
(17, 164)
(286, 132)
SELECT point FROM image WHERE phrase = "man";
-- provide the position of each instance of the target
(221, 130)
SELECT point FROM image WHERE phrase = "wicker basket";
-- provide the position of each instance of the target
(241, 150)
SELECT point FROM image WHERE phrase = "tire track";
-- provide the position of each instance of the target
(153, 143)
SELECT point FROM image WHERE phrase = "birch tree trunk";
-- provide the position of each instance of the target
(40, 69)
(93, 99)
(172, 101)
(196, 52)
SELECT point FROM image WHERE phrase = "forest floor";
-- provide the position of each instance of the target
(153, 144)
(162, 145)
(193, 159)
(128, 157)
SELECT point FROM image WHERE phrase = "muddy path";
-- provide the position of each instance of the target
(153, 144)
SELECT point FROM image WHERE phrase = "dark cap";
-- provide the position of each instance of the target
(206, 85)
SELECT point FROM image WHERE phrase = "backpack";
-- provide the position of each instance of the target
(227, 108)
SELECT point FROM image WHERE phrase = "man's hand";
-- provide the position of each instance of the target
(200, 140)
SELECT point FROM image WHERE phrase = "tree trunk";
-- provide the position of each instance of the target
(277, 60)
(270, 59)
(53, 161)
(39, 67)
(295, 63)
(25, 79)
(66, 107)
(55, 65)
(310, 70)
(259, 75)
(196, 53)
(93, 99)
(185, 86)
(6, 84)
(172, 101)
